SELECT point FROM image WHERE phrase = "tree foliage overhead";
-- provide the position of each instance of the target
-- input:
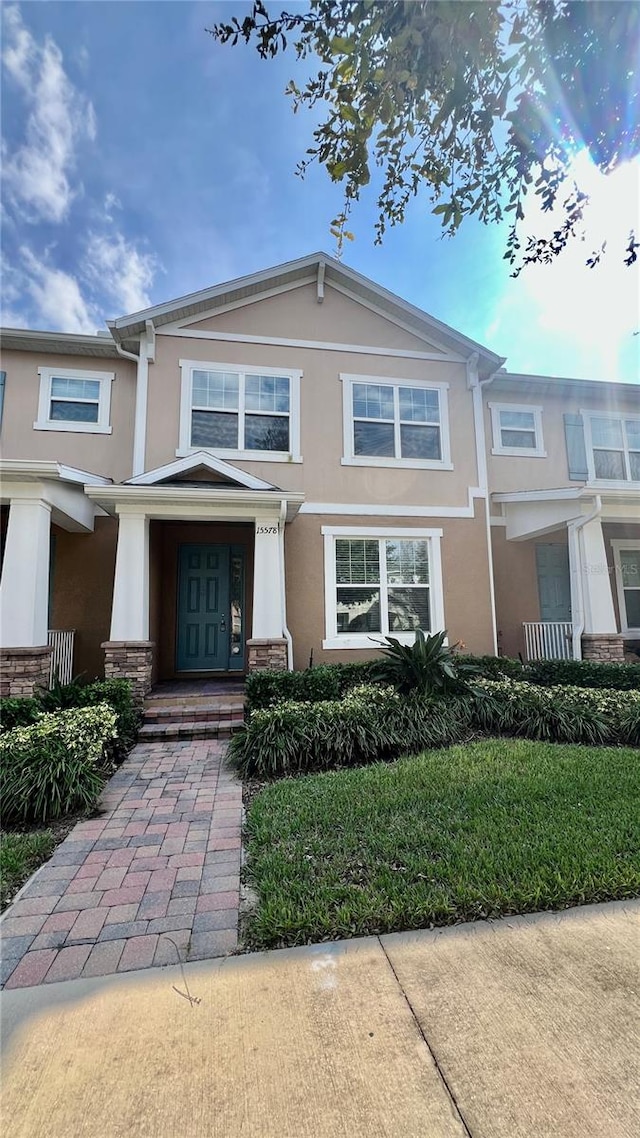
(479, 102)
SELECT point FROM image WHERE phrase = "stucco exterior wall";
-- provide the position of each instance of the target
(321, 475)
(83, 572)
(516, 585)
(297, 314)
(518, 472)
(465, 574)
(109, 455)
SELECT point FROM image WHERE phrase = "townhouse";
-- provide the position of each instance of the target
(285, 468)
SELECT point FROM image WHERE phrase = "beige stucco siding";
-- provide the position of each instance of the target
(321, 475)
(465, 573)
(83, 571)
(296, 314)
(519, 472)
(109, 455)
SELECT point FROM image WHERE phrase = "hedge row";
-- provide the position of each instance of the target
(370, 722)
(374, 722)
(331, 681)
(55, 765)
(116, 693)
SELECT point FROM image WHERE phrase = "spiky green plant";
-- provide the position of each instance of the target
(427, 667)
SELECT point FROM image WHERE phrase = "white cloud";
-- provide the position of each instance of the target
(38, 173)
(121, 270)
(111, 202)
(57, 299)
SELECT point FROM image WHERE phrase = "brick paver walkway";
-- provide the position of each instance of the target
(156, 874)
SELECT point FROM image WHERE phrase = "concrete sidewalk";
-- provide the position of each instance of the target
(524, 1028)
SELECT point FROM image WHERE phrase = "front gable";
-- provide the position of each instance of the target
(203, 469)
(311, 306)
(297, 314)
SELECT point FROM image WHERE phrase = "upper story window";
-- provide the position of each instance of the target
(613, 447)
(74, 400)
(517, 429)
(395, 422)
(246, 412)
(381, 582)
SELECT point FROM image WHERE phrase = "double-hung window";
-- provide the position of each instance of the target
(626, 555)
(73, 400)
(395, 422)
(245, 411)
(613, 447)
(379, 583)
(517, 430)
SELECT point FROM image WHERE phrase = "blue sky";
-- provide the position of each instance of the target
(143, 161)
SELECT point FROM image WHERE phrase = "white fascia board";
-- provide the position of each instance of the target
(40, 468)
(189, 501)
(192, 462)
(568, 494)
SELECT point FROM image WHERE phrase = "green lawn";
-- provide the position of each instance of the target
(20, 856)
(473, 831)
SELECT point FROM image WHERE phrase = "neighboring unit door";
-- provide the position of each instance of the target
(203, 608)
(554, 582)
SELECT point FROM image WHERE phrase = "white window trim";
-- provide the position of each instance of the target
(334, 639)
(44, 423)
(496, 427)
(610, 483)
(186, 385)
(351, 459)
(617, 545)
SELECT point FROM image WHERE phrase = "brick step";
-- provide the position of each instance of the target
(157, 702)
(198, 713)
(185, 729)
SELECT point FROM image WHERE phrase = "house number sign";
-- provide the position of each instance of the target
(267, 529)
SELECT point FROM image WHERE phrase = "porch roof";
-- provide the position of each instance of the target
(190, 503)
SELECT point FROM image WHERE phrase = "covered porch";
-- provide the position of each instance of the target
(567, 567)
(199, 585)
(40, 499)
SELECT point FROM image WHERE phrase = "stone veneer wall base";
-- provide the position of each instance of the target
(24, 670)
(605, 647)
(130, 660)
(270, 653)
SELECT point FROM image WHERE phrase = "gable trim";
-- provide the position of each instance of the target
(314, 345)
(192, 462)
(336, 274)
(183, 323)
(425, 336)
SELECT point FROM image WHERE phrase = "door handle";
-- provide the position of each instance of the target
(223, 624)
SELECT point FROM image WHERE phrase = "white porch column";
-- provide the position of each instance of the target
(130, 612)
(268, 568)
(24, 592)
(599, 614)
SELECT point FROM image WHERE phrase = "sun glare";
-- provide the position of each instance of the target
(600, 307)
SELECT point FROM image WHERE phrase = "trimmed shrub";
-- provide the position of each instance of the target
(18, 712)
(52, 767)
(494, 667)
(116, 693)
(584, 674)
(325, 681)
(559, 714)
(369, 723)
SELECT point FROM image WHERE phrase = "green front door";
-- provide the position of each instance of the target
(203, 608)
